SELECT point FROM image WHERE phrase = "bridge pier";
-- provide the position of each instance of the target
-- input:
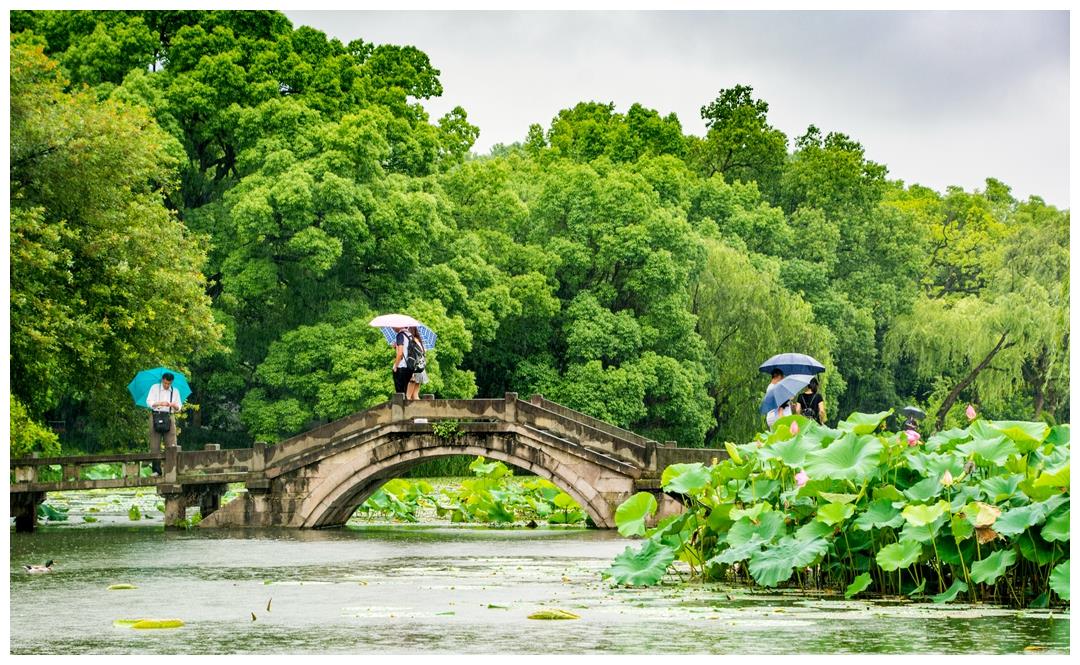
(24, 507)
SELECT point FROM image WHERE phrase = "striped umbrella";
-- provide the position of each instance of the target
(387, 322)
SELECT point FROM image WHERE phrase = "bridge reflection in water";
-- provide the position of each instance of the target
(318, 478)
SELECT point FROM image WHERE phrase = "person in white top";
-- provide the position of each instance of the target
(785, 409)
(163, 398)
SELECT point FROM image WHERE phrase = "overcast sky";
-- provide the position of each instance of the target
(941, 98)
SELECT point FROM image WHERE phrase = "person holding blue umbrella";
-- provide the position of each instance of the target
(163, 392)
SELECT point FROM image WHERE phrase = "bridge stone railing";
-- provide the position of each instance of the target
(26, 476)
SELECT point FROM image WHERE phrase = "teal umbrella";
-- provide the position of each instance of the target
(140, 385)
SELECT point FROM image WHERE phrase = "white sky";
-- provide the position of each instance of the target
(941, 98)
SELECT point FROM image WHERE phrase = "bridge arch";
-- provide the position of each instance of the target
(339, 494)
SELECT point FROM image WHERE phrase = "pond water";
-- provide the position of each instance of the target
(435, 588)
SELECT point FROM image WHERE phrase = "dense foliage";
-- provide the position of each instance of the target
(980, 513)
(234, 196)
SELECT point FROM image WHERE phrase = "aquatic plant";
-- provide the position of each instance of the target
(980, 513)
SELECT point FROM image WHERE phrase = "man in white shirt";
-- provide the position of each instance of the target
(163, 398)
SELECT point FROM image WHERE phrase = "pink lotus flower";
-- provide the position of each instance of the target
(801, 478)
(912, 437)
(794, 428)
(970, 411)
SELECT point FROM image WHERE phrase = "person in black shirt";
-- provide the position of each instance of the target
(810, 403)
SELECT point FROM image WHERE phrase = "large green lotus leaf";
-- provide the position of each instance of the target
(1058, 436)
(793, 451)
(733, 452)
(833, 497)
(643, 566)
(851, 457)
(777, 563)
(1056, 478)
(1056, 528)
(1026, 435)
(1038, 492)
(819, 435)
(954, 553)
(1017, 520)
(631, 514)
(925, 489)
(921, 515)
(738, 553)
(769, 527)
(729, 470)
(946, 440)
(948, 595)
(923, 533)
(936, 464)
(900, 554)
(813, 529)
(982, 514)
(781, 429)
(962, 494)
(685, 478)
(835, 513)
(1059, 580)
(858, 585)
(863, 423)
(761, 488)
(753, 512)
(989, 569)
(961, 527)
(679, 532)
(990, 452)
(1001, 488)
(719, 519)
(887, 492)
(1034, 548)
(879, 514)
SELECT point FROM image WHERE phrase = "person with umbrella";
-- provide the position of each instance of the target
(798, 369)
(810, 403)
(402, 373)
(164, 400)
(419, 376)
(402, 333)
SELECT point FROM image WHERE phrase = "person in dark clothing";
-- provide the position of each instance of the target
(810, 403)
(402, 373)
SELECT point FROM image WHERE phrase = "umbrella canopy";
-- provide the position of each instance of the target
(913, 412)
(387, 322)
(140, 385)
(792, 363)
(788, 387)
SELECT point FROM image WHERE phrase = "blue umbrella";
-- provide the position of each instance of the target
(792, 363)
(788, 387)
(387, 322)
(140, 385)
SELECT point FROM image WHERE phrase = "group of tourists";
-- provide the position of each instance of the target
(808, 403)
(410, 362)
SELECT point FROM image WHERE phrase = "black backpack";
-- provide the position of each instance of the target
(416, 360)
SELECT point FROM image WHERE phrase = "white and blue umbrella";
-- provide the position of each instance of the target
(387, 322)
(784, 390)
(792, 363)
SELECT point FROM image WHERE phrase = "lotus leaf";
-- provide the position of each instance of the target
(989, 569)
(781, 429)
(961, 527)
(153, 624)
(761, 488)
(921, 515)
(1056, 528)
(720, 519)
(924, 533)
(917, 592)
(643, 566)
(1001, 488)
(769, 527)
(1017, 520)
(1027, 435)
(813, 529)
(631, 514)
(934, 464)
(1057, 478)
(793, 451)
(753, 512)
(863, 423)
(900, 554)
(1059, 580)
(947, 439)
(835, 513)
(851, 457)
(553, 615)
(887, 492)
(948, 595)
(818, 435)
(1058, 436)
(1034, 548)
(733, 452)
(990, 452)
(879, 514)
(924, 490)
(685, 478)
(777, 563)
(858, 585)
(738, 553)
(838, 498)
(121, 587)
(956, 553)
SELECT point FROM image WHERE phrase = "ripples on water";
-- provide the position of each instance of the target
(416, 589)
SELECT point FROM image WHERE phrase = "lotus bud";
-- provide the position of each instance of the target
(801, 478)
(946, 478)
(794, 428)
(912, 437)
(970, 411)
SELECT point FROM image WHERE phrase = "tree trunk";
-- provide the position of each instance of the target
(951, 399)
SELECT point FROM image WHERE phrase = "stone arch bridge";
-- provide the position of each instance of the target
(318, 478)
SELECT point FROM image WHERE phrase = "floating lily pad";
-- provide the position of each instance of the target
(121, 587)
(553, 615)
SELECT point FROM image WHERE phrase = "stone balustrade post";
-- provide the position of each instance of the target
(510, 408)
(397, 407)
